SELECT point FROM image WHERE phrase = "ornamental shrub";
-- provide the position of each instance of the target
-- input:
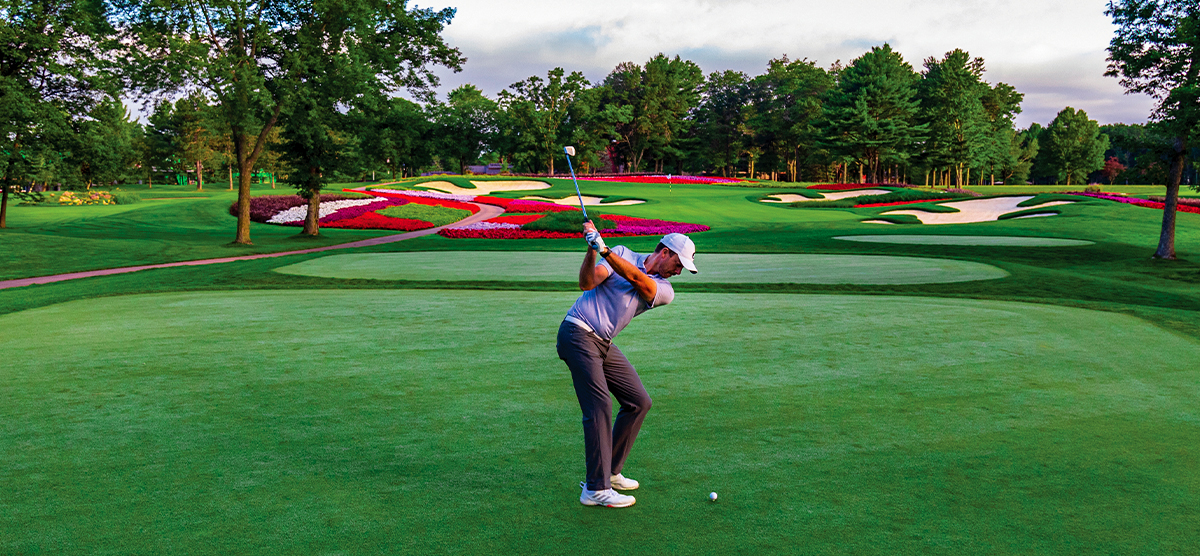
(1092, 188)
(566, 222)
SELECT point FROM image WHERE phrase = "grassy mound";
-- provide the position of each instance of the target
(896, 196)
(436, 215)
(566, 222)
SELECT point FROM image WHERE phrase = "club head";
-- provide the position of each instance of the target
(569, 150)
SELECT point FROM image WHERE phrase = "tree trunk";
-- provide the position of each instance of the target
(231, 177)
(312, 222)
(199, 176)
(245, 165)
(4, 204)
(1166, 240)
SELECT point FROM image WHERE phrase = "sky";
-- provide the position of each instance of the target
(1053, 51)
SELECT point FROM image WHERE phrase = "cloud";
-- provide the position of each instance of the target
(1052, 51)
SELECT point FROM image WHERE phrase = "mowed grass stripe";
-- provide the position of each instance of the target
(536, 266)
(996, 241)
(417, 422)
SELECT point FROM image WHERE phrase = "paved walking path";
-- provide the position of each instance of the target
(485, 212)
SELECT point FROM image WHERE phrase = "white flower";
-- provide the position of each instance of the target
(428, 194)
(296, 214)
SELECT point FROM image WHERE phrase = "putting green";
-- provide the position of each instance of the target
(535, 266)
(1005, 241)
(421, 422)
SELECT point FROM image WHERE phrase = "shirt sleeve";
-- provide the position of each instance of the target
(620, 251)
(664, 295)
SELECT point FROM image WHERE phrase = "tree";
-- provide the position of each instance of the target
(1023, 148)
(466, 125)
(252, 57)
(1112, 169)
(720, 120)
(401, 134)
(1156, 51)
(649, 106)
(870, 115)
(537, 110)
(952, 94)
(1074, 145)
(50, 72)
(787, 102)
(102, 147)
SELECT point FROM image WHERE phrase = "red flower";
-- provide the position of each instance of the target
(375, 221)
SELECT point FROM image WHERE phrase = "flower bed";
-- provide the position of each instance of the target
(363, 213)
(518, 219)
(442, 199)
(627, 226)
(664, 179)
(86, 198)
(264, 207)
(523, 206)
(374, 221)
(1135, 201)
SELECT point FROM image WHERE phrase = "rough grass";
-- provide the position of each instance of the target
(436, 215)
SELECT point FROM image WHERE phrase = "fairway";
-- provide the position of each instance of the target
(534, 266)
(421, 422)
(996, 241)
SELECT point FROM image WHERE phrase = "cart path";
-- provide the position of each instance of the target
(485, 212)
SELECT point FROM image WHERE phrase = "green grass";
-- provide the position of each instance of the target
(567, 222)
(236, 409)
(46, 240)
(999, 241)
(417, 422)
(438, 216)
(721, 268)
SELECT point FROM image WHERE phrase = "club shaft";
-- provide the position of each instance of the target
(577, 193)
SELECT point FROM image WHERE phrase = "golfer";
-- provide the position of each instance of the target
(624, 285)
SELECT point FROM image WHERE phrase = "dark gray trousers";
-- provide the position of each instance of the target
(597, 368)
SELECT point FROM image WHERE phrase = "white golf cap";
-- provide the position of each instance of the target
(684, 247)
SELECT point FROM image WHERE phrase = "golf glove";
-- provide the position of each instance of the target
(595, 241)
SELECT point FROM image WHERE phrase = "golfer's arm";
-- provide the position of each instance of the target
(590, 274)
(645, 287)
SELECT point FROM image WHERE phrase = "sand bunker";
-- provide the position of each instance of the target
(833, 196)
(588, 201)
(486, 187)
(1002, 241)
(977, 210)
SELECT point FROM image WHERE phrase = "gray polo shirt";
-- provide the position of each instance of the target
(608, 307)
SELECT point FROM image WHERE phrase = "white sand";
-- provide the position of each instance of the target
(877, 222)
(793, 198)
(588, 201)
(486, 187)
(976, 210)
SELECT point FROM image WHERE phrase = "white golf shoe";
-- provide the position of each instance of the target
(609, 498)
(621, 482)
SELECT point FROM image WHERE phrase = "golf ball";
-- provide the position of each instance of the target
(712, 496)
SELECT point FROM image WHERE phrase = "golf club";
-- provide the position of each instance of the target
(571, 152)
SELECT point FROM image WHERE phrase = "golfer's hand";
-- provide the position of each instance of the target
(595, 241)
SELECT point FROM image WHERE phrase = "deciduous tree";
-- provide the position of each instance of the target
(250, 57)
(1156, 51)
